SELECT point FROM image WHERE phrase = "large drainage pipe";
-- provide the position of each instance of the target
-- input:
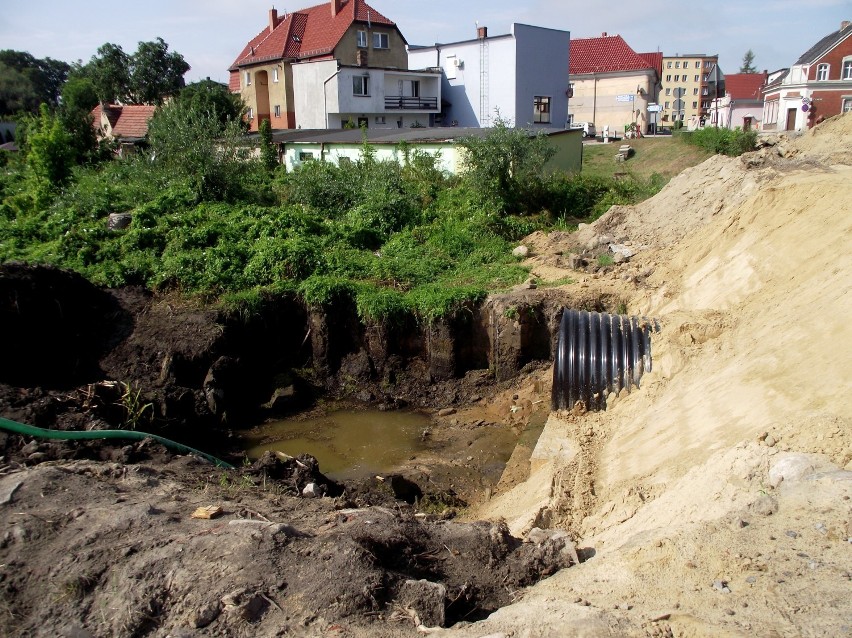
(599, 353)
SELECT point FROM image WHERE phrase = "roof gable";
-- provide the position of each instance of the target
(744, 86)
(129, 120)
(308, 33)
(605, 55)
(826, 44)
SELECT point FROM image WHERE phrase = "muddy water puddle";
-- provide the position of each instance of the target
(347, 443)
(356, 443)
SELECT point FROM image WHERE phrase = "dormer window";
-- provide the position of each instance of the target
(362, 39)
(380, 41)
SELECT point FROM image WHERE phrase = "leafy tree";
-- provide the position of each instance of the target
(195, 146)
(109, 71)
(49, 153)
(155, 73)
(79, 97)
(17, 92)
(268, 155)
(506, 166)
(747, 65)
(26, 82)
(146, 77)
(214, 98)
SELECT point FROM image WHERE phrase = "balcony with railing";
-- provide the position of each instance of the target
(409, 103)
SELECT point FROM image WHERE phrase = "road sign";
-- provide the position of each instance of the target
(627, 97)
(654, 108)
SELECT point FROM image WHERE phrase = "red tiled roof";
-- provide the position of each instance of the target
(744, 86)
(308, 33)
(654, 60)
(129, 120)
(605, 54)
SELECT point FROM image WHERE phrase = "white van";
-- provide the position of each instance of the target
(588, 128)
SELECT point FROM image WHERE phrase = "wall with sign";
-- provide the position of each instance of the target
(613, 99)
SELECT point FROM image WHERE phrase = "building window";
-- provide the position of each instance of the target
(669, 64)
(275, 74)
(668, 91)
(344, 161)
(361, 85)
(250, 113)
(846, 73)
(677, 64)
(695, 91)
(380, 119)
(696, 78)
(695, 105)
(415, 88)
(822, 73)
(668, 104)
(305, 156)
(706, 77)
(541, 110)
(668, 78)
(362, 39)
(277, 110)
(248, 78)
(846, 106)
(677, 78)
(380, 41)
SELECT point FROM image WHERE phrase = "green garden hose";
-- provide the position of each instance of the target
(75, 435)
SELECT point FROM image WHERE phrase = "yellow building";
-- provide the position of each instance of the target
(350, 35)
(688, 88)
(612, 86)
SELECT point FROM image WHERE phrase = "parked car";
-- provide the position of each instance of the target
(588, 128)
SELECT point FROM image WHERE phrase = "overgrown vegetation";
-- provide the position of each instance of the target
(212, 216)
(722, 141)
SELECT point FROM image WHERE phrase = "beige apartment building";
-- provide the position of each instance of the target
(689, 88)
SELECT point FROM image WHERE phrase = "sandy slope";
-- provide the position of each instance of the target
(716, 498)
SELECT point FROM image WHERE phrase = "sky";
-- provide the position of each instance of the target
(209, 34)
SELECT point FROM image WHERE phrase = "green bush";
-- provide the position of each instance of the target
(723, 141)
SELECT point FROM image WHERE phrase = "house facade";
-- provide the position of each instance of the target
(817, 86)
(329, 65)
(522, 76)
(742, 106)
(612, 86)
(691, 83)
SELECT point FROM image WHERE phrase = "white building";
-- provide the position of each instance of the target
(328, 94)
(522, 75)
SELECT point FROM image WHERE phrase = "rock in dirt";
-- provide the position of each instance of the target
(427, 599)
(789, 468)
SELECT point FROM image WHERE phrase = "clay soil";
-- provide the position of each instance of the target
(713, 501)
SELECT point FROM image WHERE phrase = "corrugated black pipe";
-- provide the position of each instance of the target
(599, 353)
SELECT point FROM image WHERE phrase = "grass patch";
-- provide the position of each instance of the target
(664, 156)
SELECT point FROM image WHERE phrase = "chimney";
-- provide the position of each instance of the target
(845, 24)
(482, 32)
(336, 5)
(273, 19)
(603, 35)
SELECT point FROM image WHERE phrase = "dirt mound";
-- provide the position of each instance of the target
(171, 546)
(699, 491)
